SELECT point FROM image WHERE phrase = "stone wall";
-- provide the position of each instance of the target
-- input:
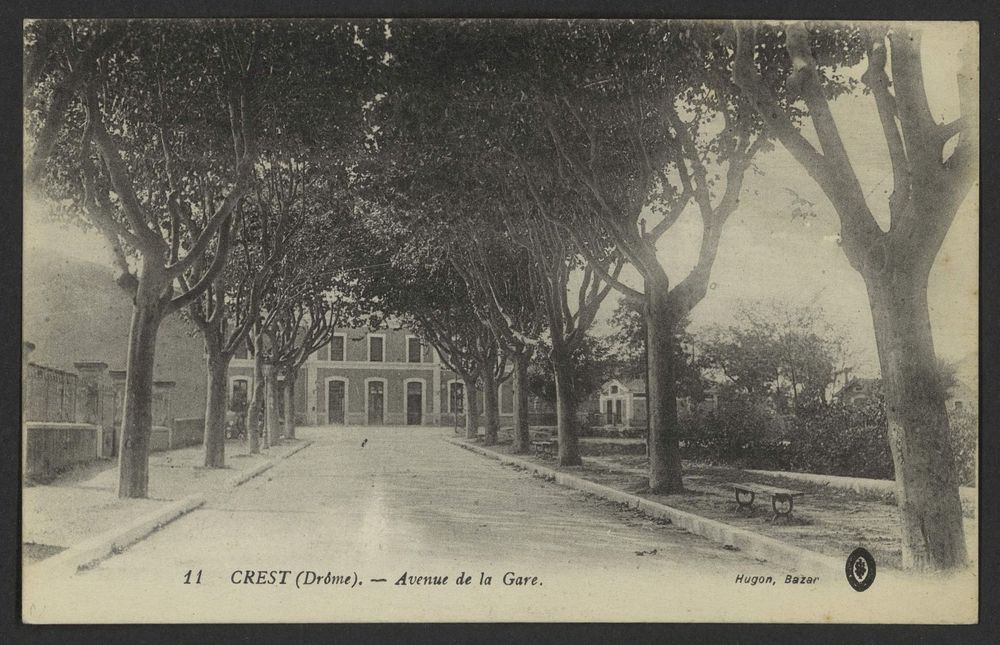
(159, 439)
(61, 410)
(187, 432)
(49, 394)
(50, 447)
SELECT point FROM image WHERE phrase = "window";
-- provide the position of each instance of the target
(376, 349)
(456, 397)
(337, 348)
(413, 349)
(614, 389)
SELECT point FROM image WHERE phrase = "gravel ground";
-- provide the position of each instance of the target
(826, 519)
(81, 503)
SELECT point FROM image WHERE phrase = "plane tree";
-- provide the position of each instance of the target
(628, 121)
(411, 279)
(162, 114)
(570, 289)
(224, 314)
(468, 347)
(323, 296)
(445, 161)
(644, 129)
(108, 166)
(501, 284)
(785, 72)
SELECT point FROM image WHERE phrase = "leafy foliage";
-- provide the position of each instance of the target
(790, 355)
(592, 364)
(627, 345)
(836, 439)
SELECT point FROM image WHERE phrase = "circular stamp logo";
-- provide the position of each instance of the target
(860, 569)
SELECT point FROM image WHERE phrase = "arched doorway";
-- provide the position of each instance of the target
(375, 398)
(414, 402)
(336, 401)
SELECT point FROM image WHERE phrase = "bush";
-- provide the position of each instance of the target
(846, 440)
(965, 444)
(743, 432)
(850, 441)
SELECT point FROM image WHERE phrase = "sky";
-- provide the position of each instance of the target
(764, 254)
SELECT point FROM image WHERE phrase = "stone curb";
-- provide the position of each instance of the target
(247, 475)
(753, 544)
(112, 542)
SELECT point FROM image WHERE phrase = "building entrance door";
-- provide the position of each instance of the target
(414, 404)
(335, 410)
(376, 403)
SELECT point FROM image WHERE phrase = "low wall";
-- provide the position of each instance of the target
(614, 432)
(596, 446)
(860, 485)
(50, 447)
(159, 440)
(187, 432)
(589, 446)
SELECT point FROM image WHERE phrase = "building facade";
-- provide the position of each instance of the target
(374, 378)
(622, 402)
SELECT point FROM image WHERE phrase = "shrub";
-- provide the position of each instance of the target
(965, 444)
(847, 440)
(835, 439)
(742, 433)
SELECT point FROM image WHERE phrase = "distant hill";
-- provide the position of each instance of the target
(74, 311)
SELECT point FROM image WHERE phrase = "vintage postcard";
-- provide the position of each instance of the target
(367, 320)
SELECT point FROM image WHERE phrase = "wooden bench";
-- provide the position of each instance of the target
(544, 447)
(782, 499)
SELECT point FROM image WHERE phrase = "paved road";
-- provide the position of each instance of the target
(405, 502)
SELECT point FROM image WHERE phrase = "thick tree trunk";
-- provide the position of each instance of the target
(471, 409)
(271, 426)
(137, 415)
(919, 435)
(289, 393)
(215, 405)
(522, 436)
(492, 404)
(661, 392)
(256, 404)
(566, 422)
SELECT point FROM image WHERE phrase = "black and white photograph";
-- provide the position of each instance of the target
(339, 320)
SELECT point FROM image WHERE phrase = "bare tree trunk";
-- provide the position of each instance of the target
(492, 404)
(661, 393)
(522, 436)
(271, 429)
(289, 393)
(566, 422)
(137, 415)
(256, 404)
(471, 409)
(926, 480)
(215, 404)
(927, 192)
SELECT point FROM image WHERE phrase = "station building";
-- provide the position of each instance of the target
(375, 378)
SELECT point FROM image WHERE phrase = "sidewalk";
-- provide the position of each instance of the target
(81, 504)
(828, 521)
